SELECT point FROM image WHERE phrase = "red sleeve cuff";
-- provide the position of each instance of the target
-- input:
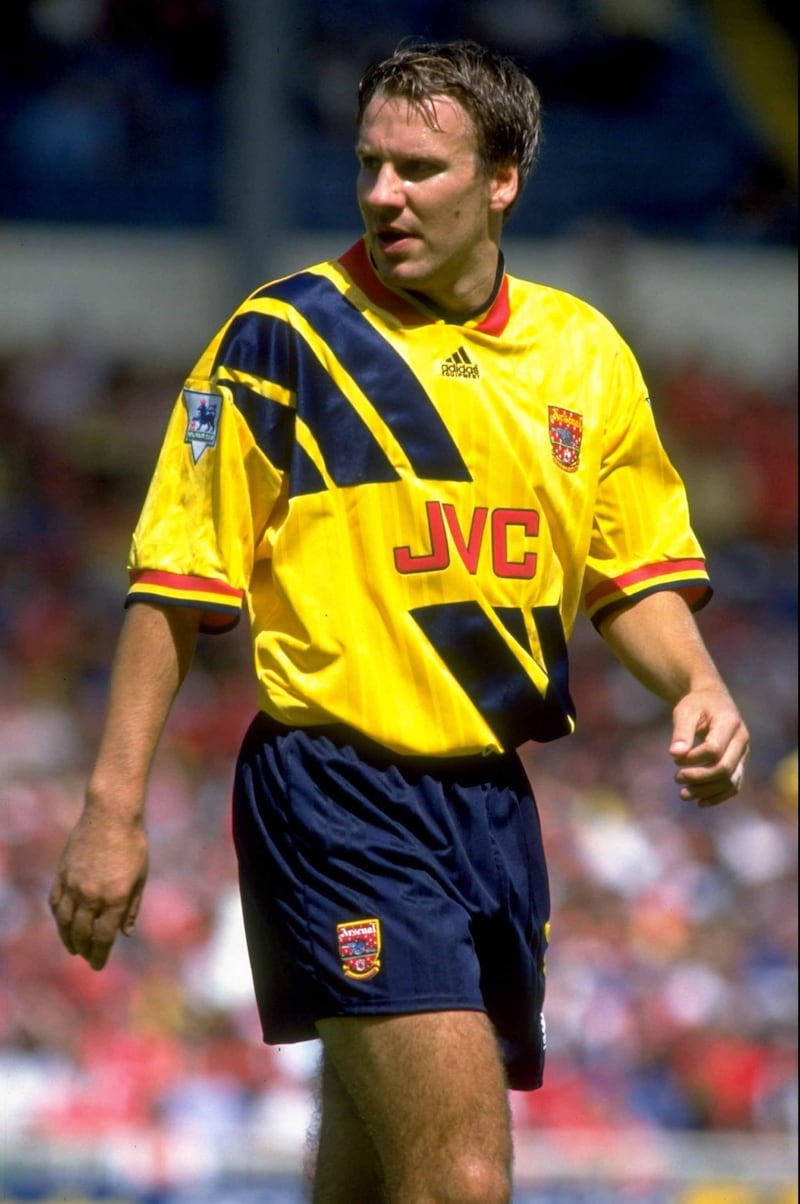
(220, 603)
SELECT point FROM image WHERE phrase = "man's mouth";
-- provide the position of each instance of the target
(391, 240)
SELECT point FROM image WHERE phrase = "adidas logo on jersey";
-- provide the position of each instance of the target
(459, 364)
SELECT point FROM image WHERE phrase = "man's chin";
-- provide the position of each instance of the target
(397, 274)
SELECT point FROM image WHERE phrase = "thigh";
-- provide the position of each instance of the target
(431, 1092)
(346, 1169)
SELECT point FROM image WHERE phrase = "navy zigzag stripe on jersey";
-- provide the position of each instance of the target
(253, 340)
(553, 644)
(380, 372)
(490, 675)
(514, 622)
(351, 453)
(271, 424)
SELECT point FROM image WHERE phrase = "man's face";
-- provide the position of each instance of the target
(432, 217)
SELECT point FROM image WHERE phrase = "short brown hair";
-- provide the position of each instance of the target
(501, 101)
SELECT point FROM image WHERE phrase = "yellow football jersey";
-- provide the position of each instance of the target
(413, 510)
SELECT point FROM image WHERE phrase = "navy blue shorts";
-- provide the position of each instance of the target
(374, 884)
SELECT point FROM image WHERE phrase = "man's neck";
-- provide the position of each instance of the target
(458, 315)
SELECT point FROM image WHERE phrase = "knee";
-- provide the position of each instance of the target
(474, 1179)
(458, 1179)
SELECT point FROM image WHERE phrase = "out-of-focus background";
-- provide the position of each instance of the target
(159, 159)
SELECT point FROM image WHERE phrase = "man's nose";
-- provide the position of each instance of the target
(385, 188)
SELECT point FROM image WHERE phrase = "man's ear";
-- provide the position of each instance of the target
(503, 187)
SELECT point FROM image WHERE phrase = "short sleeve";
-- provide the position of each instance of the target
(210, 499)
(642, 540)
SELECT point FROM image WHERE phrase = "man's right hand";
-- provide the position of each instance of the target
(99, 882)
(103, 868)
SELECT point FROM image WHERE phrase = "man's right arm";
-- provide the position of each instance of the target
(102, 870)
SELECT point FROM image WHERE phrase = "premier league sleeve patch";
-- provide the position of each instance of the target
(359, 948)
(201, 429)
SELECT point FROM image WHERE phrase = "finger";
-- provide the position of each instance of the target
(711, 748)
(99, 951)
(56, 894)
(688, 734)
(708, 791)
(62, 906)
(715, 799)
(712, 767)
(707, 795)
(82, 930)
(86, 930)
(104, 933)
(702, 756)
(132, 912)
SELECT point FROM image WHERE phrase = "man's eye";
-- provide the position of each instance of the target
(417, 168)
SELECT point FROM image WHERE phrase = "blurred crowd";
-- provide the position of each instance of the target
(672, 972)
(632, 93)
(114, 110)
(124, 112)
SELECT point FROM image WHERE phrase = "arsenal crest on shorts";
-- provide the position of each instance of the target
(359, 948)
(566, 429)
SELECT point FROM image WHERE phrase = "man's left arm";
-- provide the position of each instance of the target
(657, 639)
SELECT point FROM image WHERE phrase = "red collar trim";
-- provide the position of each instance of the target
(357, 264)
(499, 312)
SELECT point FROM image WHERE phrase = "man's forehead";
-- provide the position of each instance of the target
(440, 114)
